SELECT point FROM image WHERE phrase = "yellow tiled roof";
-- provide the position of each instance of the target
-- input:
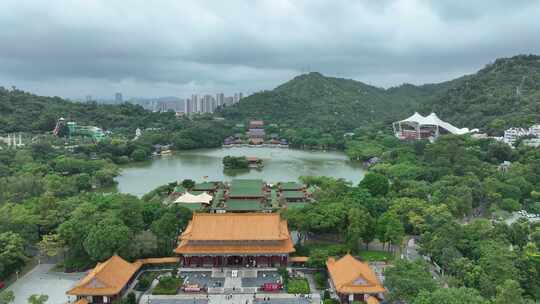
(298, 259)
(351, 276)
(241, 233)
(154, 261)
(237, 227)
(107, 278)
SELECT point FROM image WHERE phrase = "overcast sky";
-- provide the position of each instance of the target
(178, 47)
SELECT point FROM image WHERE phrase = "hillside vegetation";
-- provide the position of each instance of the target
(325, 103)
(25, 112)
(504, 93)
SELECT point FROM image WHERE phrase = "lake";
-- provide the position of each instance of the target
(206, 164)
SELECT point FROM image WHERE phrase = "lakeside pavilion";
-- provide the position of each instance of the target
(354, 280)
(235, 239)
(110, 280)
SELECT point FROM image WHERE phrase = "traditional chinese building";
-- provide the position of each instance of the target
(235, 239)
(354, 280)
(247, 189)
(109, 280)
(293, 192)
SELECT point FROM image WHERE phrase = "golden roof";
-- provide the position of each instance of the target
(239, 233)
(351, 276)
(82, 301)
(107, 278)
(298, 259)
(154, 261)
(372, 300)
(236, 227)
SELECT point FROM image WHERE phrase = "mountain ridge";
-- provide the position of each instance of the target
(485, 99)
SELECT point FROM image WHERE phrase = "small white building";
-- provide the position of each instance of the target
(511, 135)
(535, 130)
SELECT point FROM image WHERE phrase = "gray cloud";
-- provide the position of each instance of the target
(142, 48)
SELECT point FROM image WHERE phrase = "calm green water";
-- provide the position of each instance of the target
(279, 165)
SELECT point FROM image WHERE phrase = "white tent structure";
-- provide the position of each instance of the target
(422, 127)
(188, 198)
(205, 196)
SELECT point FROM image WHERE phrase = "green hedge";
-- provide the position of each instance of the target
(320, 280)
(167, 286)
(298, 286)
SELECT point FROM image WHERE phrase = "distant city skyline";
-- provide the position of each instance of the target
(197, 103)
(126, 97)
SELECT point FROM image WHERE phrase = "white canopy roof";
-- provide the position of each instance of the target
(205, 196)
(433, 120)
(189, 198)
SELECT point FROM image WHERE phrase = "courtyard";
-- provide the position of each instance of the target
(215, 285)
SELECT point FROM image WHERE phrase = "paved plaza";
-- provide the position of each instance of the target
(43, 280)
(261, 278)
(202, 278)
(235, 299)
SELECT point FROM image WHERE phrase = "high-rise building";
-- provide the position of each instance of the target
(201, 108)
(195, 103)
(220, 99)
(188, 106)
(208, 100)
(240, 96)
(88, 98)
(118, 97)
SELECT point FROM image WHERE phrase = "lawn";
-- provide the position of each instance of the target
(375, 256)
(331, 248)
(298, 285)
(339, 249)
(167, 286)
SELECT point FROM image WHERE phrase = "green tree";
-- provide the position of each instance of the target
(377, 184)
(38, 299)
(406, 279)
(50, 245)
(354, 229)
(108, 237)
(509, 292)
(389, 229)
(497, 264)
(7, 297)
(166, 229)
(188, 184)
(450, 296)
(139, 155)
(12, 255)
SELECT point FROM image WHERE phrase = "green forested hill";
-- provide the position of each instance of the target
(326, 103)
(504, 93)
(25, 112)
